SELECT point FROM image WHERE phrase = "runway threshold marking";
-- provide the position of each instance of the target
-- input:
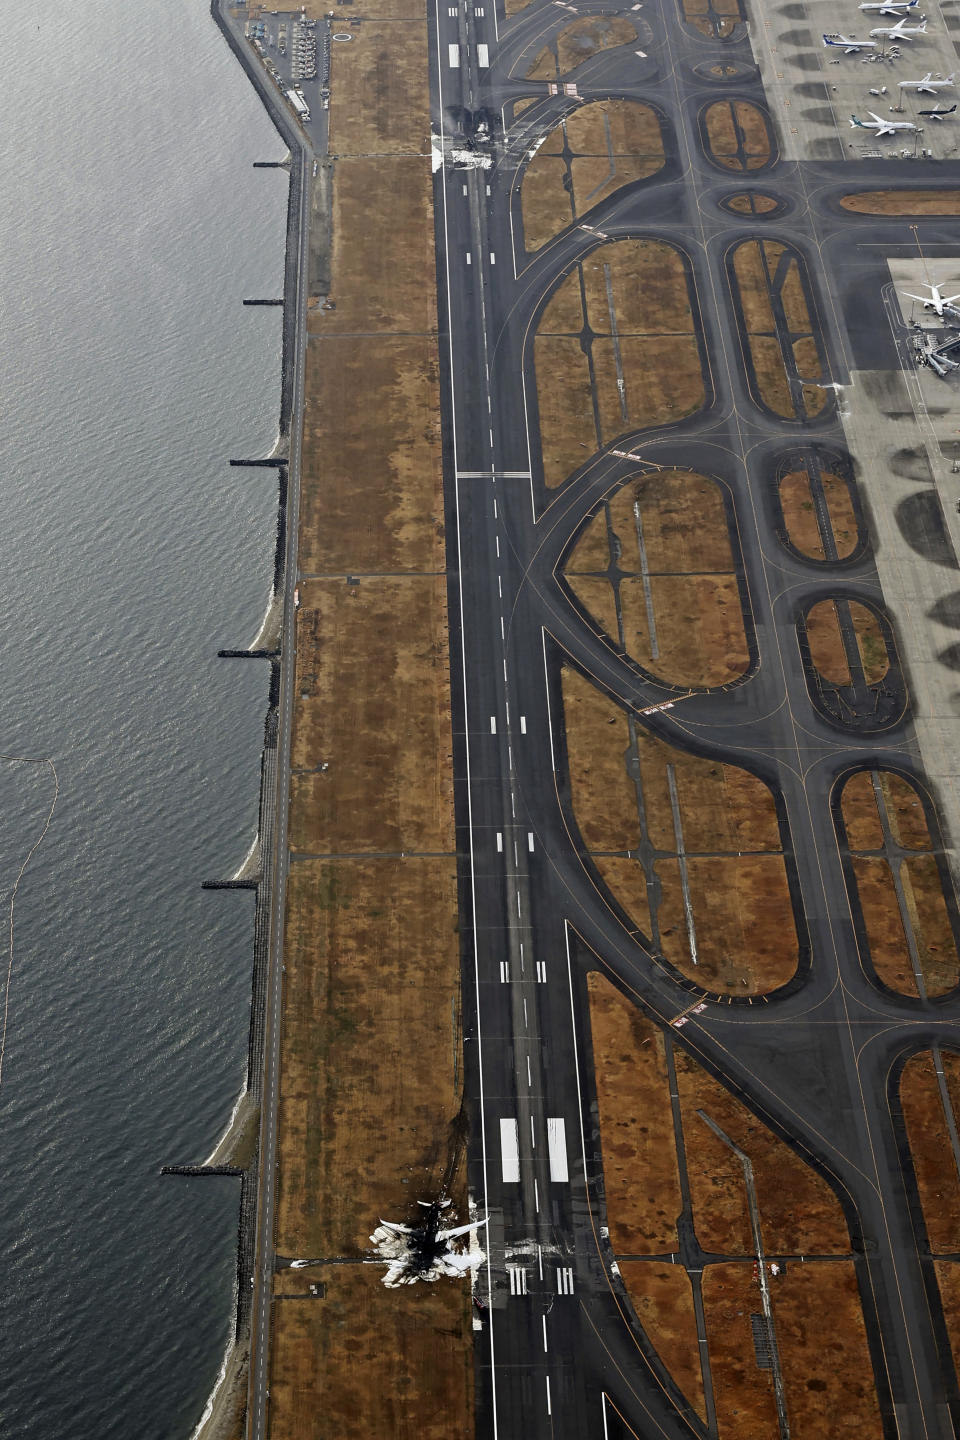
(518, 1279)
(509, 1152)
(557, 1145)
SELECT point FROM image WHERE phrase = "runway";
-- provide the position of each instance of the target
(559, 1356)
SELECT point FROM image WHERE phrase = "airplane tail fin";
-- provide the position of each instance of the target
(856, 122)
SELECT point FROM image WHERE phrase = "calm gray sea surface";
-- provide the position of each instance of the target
(131, 226)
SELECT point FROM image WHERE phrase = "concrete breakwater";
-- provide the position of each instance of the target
(262, 884)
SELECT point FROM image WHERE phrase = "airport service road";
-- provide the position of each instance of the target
(555, 1345)
(302, 159)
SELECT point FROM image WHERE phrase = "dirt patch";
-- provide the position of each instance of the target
(687, 627)
(827, 650)
(367, 10)
(745, 939)
(626, 880)
(738, 137)
(905, 812)
(604, 796)
(683, 521)
(743, 1393)
(384, 72)
(386, 747)
(799, 1215)
(372, 480)
(641, 1179)
(883, 923)
(378, 269)
(578, 41)
(744, 935)
(600, 599)
(371, 1067)
(699, 627)
(713, 18)
(591, 555)
(799, 1212)
(349, 1365)
(930, 1149)
(597, 150)
(948, 1279)
(903, 202)
(927, 911)
(926, 917)
(801, 517)
(371, 1073)
(861, 819)
(770, 283)
(828, 1377)
(662, 1297)
(641, 331)
(751, 202)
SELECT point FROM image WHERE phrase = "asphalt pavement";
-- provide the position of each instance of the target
(563, 1356)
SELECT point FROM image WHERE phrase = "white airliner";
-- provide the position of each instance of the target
(936, 113)
(890, 7)
(935, 301)
(848, 44)
(928, 86)
(900, 31)
(882, 127)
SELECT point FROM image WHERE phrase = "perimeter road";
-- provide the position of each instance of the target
(264, 1258)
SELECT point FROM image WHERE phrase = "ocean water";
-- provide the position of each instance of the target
(132, 225)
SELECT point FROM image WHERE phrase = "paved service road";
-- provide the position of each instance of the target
(275, 861)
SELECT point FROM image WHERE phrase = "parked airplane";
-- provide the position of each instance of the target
(928, 86)
(900, 31)
(936, 113)
(848, 44)
(882, 127)
(936, 301)
(890, 7)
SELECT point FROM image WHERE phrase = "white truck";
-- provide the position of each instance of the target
(300, 105)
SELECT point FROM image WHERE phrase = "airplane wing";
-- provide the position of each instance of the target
(874, 116)
(460, 1229)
